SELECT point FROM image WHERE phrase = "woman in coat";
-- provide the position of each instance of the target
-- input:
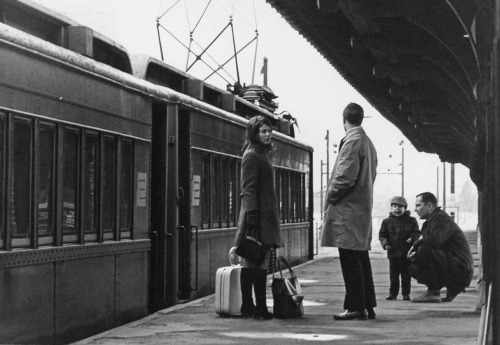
(259, 212)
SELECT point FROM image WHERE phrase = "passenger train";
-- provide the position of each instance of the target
(119, 180)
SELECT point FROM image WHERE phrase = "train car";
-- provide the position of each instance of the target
(118, 192)
(207, 179)
(75, 139)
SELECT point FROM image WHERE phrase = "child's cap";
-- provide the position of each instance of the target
(399, 200)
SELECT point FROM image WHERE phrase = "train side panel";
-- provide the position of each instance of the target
(216, 165)
(74, 220)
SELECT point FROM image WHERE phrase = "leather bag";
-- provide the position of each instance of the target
(251, 249)
(287, 293)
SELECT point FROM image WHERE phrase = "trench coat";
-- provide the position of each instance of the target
(349, 198)
(258, 193)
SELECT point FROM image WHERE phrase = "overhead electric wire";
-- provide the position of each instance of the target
(256, 43)
(201, 17)
(159, 17)
(255, 55)
(213, 60)
(205, 52)
(239, 51)
(198, 57)
(213, 41)
(235, 53)
(159, 38)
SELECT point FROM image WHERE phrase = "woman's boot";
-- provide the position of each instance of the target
(260, 287)
(246, 280)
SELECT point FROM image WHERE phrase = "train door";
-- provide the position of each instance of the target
(170, 207)
(184, 228)
(161, 259)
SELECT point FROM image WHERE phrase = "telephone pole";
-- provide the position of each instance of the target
(327, 138)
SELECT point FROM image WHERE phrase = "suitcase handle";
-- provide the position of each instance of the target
(233, 258)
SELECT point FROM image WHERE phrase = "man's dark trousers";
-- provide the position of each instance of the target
(433, 269)
(358, 280)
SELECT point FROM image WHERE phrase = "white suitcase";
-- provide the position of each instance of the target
(227, 289)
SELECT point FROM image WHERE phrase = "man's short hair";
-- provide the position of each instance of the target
(428, 197)
(353, 114)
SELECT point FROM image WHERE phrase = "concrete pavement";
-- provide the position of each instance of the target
(397, 322)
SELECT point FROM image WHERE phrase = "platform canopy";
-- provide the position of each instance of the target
(416, 62)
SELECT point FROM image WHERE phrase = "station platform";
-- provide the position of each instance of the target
(397, 322)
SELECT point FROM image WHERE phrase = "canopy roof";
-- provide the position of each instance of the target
(416, 62)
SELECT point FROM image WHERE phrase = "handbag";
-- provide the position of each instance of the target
(251, 249)
(287, 293)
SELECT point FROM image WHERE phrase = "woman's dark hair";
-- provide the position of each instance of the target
(353, 114)
(252, 134)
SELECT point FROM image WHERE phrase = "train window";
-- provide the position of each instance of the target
(108, 186)
(46, 179)
(126, 181)
(300, 197)
(205, 192)
(224, 192)
(231, 183)
(277, 188)
(2, 164)
(214, 191)
(285, 192)
(296, 196)
(220, 191)
(303, 198)
(306, 196)
(90, 186)
(70, 184)
(291, 200)
(237, 188)
(293, 197)
(20, 181)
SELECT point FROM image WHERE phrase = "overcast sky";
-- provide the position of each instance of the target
(306, 85)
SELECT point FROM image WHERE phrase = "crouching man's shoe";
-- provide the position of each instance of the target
(351, 315)
(450, 296)
(430, 296)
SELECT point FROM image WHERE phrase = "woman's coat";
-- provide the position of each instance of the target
(349, 199)
(257, 193)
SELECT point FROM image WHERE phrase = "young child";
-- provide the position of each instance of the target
(397, 234)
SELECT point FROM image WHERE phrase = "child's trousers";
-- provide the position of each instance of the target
(397, 267)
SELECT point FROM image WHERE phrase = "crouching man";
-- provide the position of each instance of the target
(442, 256)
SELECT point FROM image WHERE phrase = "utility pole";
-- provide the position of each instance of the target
(321, 191)
(327, 138)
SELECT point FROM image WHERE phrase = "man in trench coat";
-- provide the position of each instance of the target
(348, 215)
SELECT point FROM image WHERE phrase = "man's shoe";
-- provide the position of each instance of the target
(371, 314)
(391, 298)
(351, 315)
(430, 296)
(449, 297)
(406, 298)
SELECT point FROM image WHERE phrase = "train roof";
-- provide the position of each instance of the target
(158, 72)
(416, 62)
(30, 43)
(64, 32)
